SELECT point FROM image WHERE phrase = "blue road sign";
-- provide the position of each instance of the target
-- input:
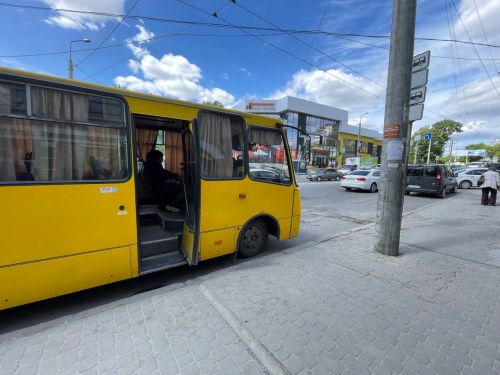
(428, 136)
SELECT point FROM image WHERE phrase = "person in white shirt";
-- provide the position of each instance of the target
(490, 186)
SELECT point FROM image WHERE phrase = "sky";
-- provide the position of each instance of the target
(190, 54)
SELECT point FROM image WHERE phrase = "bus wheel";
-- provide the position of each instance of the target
(253, 239)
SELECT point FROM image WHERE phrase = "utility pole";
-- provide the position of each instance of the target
(70, 60)
(358, 145)
(429, 151)
(397, 108)
(416, 151)
(451, 151)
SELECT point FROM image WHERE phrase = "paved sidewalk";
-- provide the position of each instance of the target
(330, 308)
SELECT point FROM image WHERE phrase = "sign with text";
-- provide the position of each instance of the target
(421, 61)
(261, 106)
(481, 153)
(418, 95)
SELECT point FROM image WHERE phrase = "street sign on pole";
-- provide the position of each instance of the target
(419, 78)
(421, 61)
(416, 112)
(418, 95)
(428, 137)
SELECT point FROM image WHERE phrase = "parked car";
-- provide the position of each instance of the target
(362, 180)
(469, 177)
(435, 179)
(346, 169)
(320, 174)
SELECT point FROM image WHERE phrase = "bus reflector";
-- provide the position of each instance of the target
(218, 242)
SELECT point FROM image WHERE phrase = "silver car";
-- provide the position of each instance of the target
(362, 180)
(469, 177)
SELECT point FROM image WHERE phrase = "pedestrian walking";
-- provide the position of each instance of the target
(489, 186)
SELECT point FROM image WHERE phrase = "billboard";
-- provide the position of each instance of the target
(261, 106)
(481, 153)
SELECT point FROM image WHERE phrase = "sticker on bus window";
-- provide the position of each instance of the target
(108, 189)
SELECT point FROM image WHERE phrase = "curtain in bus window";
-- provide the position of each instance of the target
(173, 152)
(146, 141)
(264, 136)
(15, 149)
(216, 145)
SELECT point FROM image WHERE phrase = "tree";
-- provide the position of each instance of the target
(441, 132)
(214, 103)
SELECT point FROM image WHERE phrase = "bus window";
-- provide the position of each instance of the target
(267, 156)
(221, 146)
(60, 140)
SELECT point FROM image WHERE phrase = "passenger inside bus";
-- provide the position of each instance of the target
(165, 185)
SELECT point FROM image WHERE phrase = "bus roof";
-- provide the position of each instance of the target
(124, 92)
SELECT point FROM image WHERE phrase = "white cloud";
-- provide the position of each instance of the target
(81, 21)
(171, 75)
(225, 76)
(246, 71)
(324, 88)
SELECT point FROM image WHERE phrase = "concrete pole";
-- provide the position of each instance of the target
(451, 152)
(416, 151)
(397, 108)
(429, 151)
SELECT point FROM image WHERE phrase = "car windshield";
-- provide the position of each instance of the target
(359, 173)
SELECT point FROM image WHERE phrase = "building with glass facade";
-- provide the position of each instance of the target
(332, 138)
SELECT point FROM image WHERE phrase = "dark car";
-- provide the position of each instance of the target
(435, 179)
(320, 174)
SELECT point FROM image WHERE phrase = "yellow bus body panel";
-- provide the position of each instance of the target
(62, 238)
(30, 282)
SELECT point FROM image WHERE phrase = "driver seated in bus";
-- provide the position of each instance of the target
(163, 183)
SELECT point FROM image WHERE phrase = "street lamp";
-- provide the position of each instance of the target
(359, 134)
(70, 61)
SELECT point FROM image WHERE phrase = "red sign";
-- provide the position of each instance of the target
(391, 131)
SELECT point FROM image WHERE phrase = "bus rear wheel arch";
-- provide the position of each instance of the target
(254, 235)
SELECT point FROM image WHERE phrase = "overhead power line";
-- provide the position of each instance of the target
(109, 35)
(306, 44)
(285, 51)
(473, 46)
(484, 32)
(294, 31)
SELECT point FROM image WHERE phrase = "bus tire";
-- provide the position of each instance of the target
(253, 238)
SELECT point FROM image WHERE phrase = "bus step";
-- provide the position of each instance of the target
(171, 221)
(162, 262)
(156, 247)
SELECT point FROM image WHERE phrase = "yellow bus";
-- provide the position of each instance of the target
(79, 207)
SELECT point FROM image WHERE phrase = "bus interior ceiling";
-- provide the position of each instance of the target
(160, 231)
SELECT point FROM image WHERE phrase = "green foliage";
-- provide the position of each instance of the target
(491, 151)
(441, 132)
(214, 103)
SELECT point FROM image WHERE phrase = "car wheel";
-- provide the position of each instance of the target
(319, 178)
(442, 194)
(347, 188)
(253, 239)
(373, 188)
(466, 184)
(453, 189)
